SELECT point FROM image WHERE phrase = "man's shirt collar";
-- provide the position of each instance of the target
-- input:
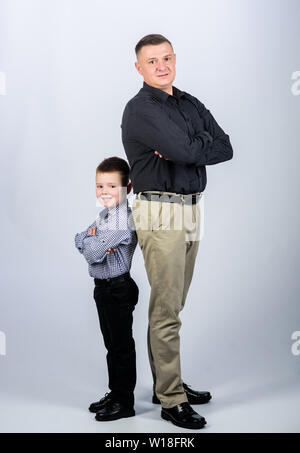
(160, 94)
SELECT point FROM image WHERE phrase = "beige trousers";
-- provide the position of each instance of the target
(168, 234)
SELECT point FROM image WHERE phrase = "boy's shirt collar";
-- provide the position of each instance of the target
(109, 213)
(116, 209)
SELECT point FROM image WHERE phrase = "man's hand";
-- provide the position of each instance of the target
(157, 153)
(92, 231)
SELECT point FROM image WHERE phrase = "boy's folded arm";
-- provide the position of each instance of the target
(95, 247)
(79, 237)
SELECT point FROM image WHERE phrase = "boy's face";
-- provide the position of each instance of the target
(109, 190)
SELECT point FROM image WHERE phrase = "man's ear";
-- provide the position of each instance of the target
(138, 67)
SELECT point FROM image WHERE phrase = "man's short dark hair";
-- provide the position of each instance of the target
(115, 164)
(153, 40)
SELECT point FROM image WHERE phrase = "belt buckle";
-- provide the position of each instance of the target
(188, 198)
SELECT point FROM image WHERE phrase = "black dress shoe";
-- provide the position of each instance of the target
(113, 411)
(183, 415)
(95, 407)
(193, 396)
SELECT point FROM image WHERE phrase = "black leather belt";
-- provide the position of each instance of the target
(112, 280)
(186, 199)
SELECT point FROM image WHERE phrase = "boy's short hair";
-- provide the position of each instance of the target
(115, 164)
(153, 39)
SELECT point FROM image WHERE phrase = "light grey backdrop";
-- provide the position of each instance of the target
(67, 71)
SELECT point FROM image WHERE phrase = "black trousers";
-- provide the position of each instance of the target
(115, 300)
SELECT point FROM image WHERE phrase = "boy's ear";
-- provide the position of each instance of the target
(129, 187)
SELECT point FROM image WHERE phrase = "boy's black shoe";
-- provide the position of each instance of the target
(183, 415)
(95, 407)
(193, 396)
(113, 411)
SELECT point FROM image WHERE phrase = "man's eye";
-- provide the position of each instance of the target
(152, 61)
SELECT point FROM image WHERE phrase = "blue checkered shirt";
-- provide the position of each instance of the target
(115, 229)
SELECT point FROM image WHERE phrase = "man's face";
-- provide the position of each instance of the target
(109, 190)
(157, 65)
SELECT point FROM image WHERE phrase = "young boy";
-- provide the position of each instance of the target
(108, 245)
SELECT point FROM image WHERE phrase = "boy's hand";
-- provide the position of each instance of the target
(160, 155)
(92, 231)
(110, 250)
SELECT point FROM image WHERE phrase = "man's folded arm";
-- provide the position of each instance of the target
(163, 134)
(221, 149)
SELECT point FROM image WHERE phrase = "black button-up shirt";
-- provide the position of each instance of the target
(181, 129)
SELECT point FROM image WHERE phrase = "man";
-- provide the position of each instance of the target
(169, 137)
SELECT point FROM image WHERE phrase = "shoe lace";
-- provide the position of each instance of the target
(105, 396)
(185, 407)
